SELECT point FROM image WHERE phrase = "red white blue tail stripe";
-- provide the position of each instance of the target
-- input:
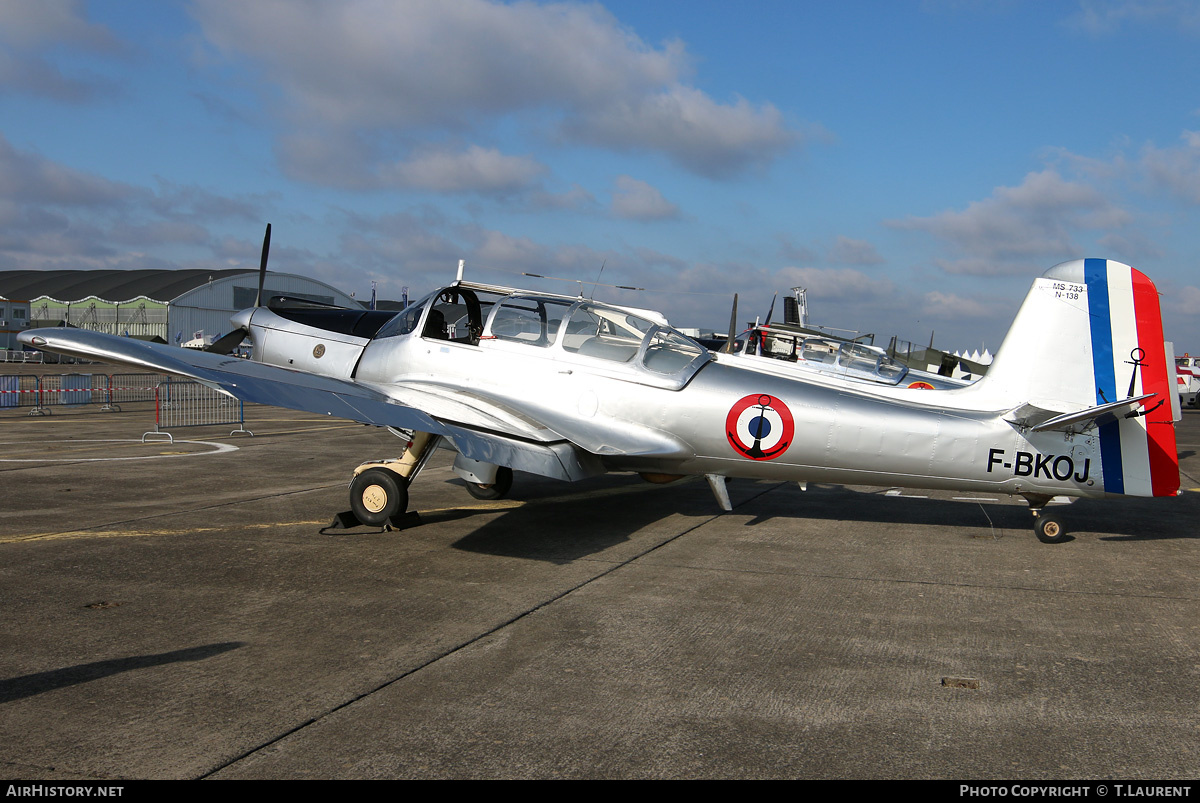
(1129, 359)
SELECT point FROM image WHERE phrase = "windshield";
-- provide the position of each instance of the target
(405, 321)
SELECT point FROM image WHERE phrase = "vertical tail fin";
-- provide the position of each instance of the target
(1090, 333)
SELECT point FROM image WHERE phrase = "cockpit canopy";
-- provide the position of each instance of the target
(636, 345)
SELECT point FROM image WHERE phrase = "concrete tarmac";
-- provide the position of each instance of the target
(174, 611)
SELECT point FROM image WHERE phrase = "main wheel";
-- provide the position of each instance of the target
(1049, 529)
(495, 490)
(377, 495)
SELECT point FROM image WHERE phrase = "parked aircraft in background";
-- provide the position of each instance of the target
(1187, 377)
(777, 349)
(1077, 403)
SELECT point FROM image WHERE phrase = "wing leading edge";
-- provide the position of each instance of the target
(479, 430)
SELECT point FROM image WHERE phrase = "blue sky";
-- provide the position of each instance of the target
(914, 164)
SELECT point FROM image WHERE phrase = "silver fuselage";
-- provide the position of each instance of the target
(840, 431)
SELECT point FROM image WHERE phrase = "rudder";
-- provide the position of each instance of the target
(1090, 333)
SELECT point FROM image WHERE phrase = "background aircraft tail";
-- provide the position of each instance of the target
(1090, 334)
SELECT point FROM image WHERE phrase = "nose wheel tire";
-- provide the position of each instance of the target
(377, 495)
(1049, 529)
(495, 490)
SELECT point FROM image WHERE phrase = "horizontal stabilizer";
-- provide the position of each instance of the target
(1039, 419)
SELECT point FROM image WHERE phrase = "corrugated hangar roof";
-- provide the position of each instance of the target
(110, 285)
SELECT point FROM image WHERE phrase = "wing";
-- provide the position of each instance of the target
(243, 379)
(479, 428)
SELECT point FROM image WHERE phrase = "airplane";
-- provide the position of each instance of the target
(1078, 402)
(775, 349)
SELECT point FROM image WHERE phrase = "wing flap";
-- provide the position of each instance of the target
(469, 409)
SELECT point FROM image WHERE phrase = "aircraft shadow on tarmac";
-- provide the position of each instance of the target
(1114, 519)
(40, 682)
(545, 524)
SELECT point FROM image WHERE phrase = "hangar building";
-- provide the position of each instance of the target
(173, 305)
(14, 319)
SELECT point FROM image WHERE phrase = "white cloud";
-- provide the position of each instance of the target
(796, 253)
(1019, 228)
(28, 29)
(1175, 170)
(341, 159)
(835, 284)
(32, 25)
(950, 306)
(636, 200)
(30, 178)
(483, 170)
(1131, 248)
(1185, 301)
(848, 251)
(55, 216)
(575, 198)
(371, 62)
(376, 69)
(1103, 17)
(706, 137)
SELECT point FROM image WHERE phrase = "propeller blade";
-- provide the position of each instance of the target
(228, 342)
(728, 349)
(262, 266)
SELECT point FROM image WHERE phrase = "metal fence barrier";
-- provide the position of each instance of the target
(187, 403)
(41, 393)
(129, 388)
(10, 391)
(25, 394)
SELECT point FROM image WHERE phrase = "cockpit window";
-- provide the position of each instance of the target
(858, 358)
(605, 333)
(669, 352)
(456, 315)
(819, 351)
(533, 321)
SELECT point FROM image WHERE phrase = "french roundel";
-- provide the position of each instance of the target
(760, 427)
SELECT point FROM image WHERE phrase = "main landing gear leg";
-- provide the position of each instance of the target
(379, 489)
(1048, 527)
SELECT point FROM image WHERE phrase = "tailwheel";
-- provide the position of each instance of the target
(493, 490)
(1049, 529)
(378, 495)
